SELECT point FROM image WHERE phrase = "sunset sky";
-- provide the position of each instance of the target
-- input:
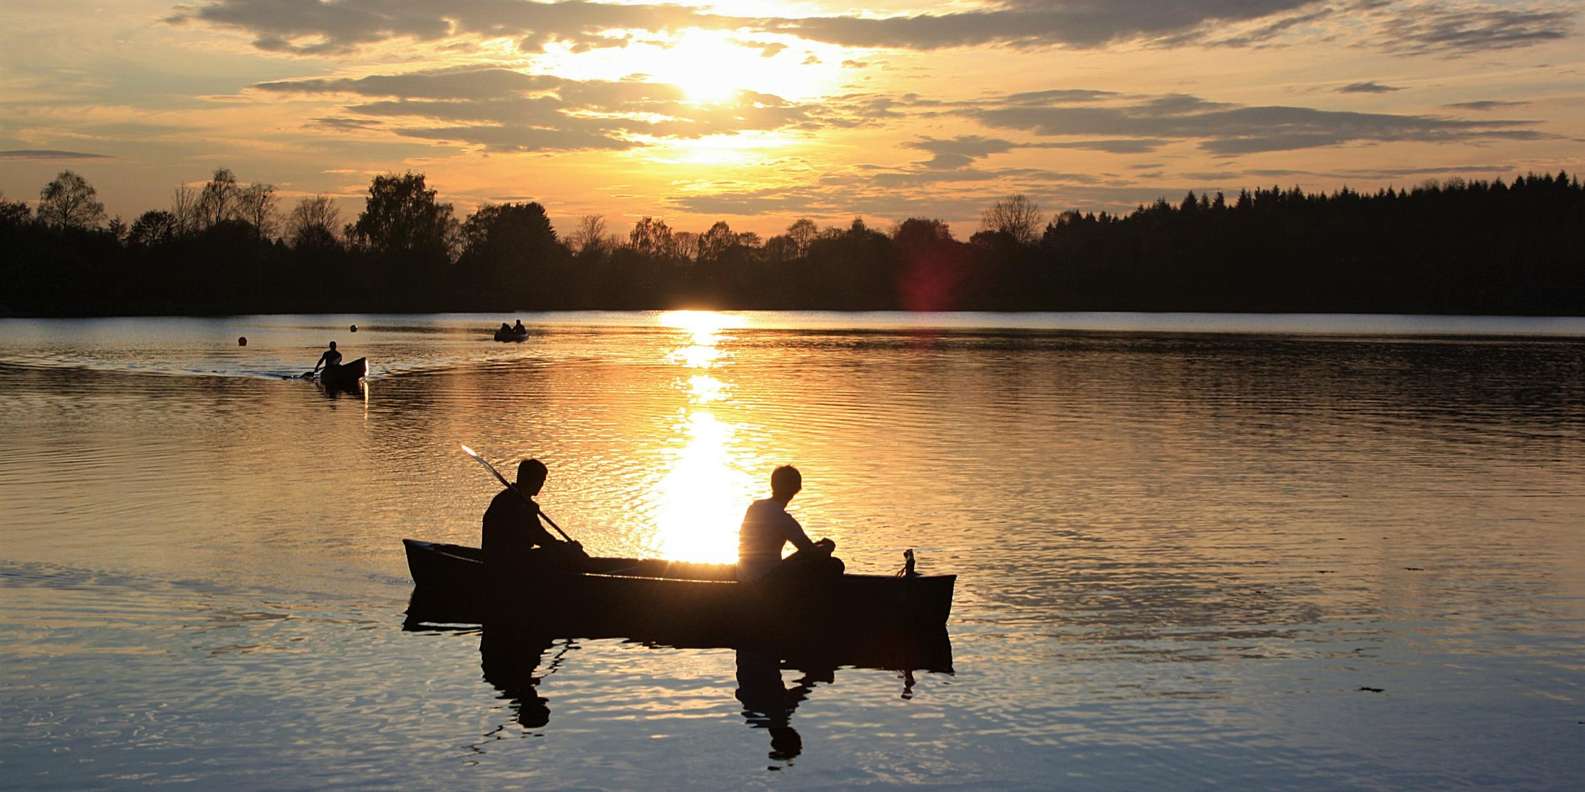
(760, 112)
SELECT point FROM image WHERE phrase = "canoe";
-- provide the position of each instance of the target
(345, 376)
(510, 336)
(693, 601)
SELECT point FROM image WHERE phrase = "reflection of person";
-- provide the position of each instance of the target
(512, 529)
(331, 358)
(509, 660)
(767, 704)
(767, 527)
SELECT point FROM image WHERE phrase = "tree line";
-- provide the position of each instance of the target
(1472, 247)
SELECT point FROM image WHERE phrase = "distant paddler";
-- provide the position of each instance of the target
(330, 359)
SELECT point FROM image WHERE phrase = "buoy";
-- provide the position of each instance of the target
(242, 340)
(352, 329)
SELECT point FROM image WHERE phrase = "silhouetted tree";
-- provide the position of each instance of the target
(781, 248)
(403, 217)
(802, 233)
(685, 244)
(590, 233)
(313, 223)
(70, 202)
(651, 237)
(1449, 247)
(154, 227)
(13, 213)
(218, 200)
(932, 266)
(509, 250)
(714, 243)
(1015, 216)
(256, 206)
(184, 207)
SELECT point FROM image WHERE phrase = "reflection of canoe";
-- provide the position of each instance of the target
(922, 650)
(345, 376)
(685, 601)
(507, 335)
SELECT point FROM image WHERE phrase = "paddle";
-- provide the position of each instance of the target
(513, 487)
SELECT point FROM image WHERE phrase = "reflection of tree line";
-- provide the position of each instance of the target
(1460, 247)
(514, 661)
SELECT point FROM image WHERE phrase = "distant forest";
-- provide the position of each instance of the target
(227, 247)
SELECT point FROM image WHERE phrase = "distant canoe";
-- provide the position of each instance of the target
(344, 377)
(633, 597)
(508, 335)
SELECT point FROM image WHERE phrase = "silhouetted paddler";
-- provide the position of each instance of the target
(512, 529)
(330, 358)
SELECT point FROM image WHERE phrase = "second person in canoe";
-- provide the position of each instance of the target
(767, 528)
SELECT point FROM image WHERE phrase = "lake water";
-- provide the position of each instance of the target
(1193, 551)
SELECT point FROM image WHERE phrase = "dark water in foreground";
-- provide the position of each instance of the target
(1186, 559)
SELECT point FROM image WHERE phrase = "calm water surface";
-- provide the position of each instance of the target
(1194, 551)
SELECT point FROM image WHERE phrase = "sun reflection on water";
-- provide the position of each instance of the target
(702, 496)
(706, 326)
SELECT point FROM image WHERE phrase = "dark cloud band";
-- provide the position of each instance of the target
(321, 27)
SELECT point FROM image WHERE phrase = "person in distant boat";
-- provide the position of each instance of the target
(519, 328)
(512, 529)
(329, 359)
(505, 328)
(767, 527)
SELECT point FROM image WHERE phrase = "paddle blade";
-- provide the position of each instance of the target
(486, 463)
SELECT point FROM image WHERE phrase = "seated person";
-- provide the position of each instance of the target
(767, 527)
(330, 359)
(512, 529)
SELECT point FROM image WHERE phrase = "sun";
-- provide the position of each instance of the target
(712, 66)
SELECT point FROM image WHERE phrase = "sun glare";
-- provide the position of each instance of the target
(704, 325)
(740, 148)
(709, 66)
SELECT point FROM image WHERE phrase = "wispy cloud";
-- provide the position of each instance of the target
(47, 154)
(1227, 129)
(1485, 105)
(506, 110)
(1368, 87)
(1464, 28)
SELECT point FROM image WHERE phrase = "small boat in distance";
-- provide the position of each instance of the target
(635, 597)
(511, 335)
(344, 377)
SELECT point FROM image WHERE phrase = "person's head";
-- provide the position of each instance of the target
(531, 476)
(332, 345)
(785, 482)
